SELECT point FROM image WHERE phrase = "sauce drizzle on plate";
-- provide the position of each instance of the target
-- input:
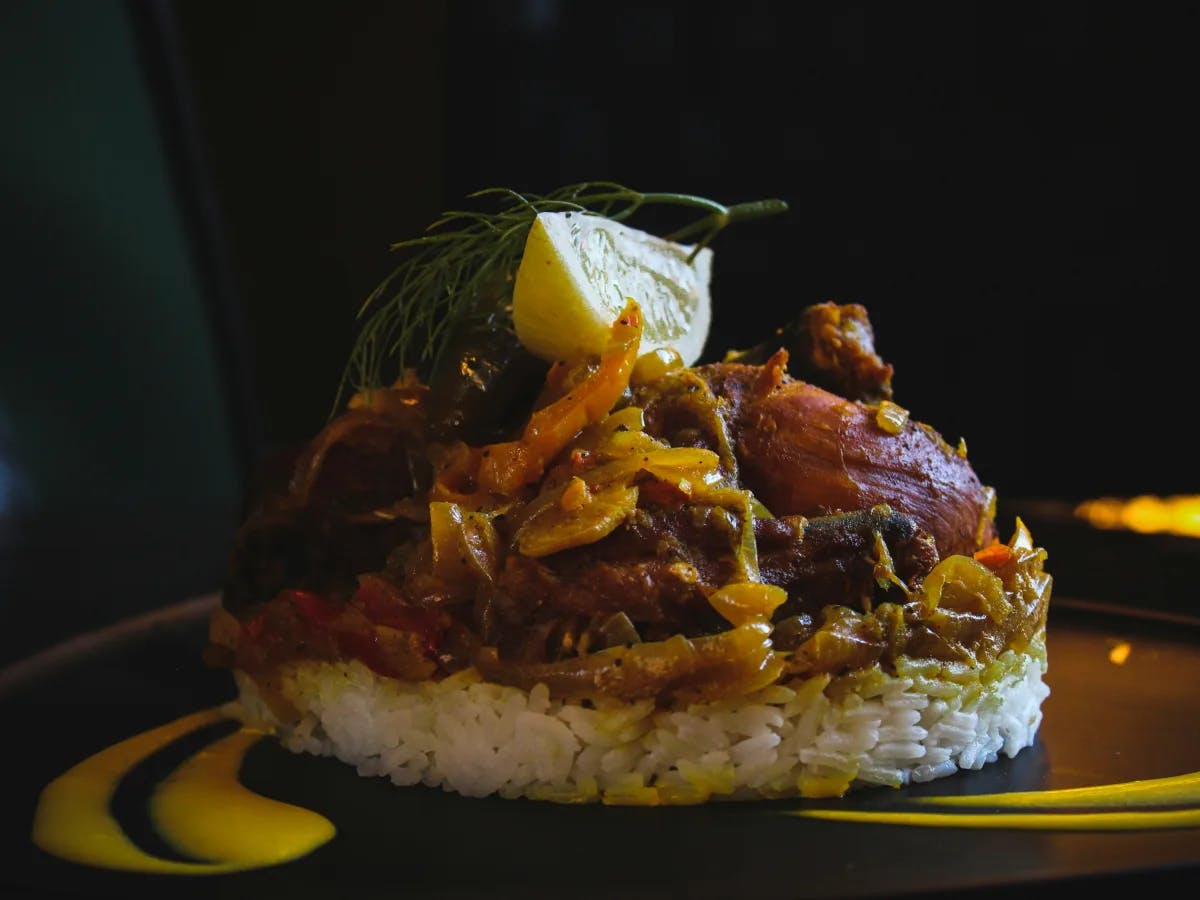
(200, 809)
(205, 813)
(1131, 806)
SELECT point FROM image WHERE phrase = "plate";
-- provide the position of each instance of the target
(1123, 707)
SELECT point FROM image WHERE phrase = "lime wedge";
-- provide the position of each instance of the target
(577, 272)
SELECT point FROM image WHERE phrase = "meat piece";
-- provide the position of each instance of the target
(833, 347)
(483, 384)
(805, 451)
(659, 570)
(836, 560)
(655, 568)
(322, 513)
(304, 548)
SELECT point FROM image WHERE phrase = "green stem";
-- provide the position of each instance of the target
(713, 225)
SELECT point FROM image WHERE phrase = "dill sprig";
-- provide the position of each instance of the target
(465, 262)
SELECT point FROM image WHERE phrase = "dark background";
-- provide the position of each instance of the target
(196, 197)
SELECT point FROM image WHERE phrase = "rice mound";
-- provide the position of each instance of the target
(811, 737)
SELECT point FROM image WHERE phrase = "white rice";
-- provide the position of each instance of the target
(810, 737)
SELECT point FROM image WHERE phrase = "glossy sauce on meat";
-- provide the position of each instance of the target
(599, 556)
(805, 451)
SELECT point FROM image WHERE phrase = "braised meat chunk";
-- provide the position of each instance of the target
(696, 534)
(805, 451)
(831, 346)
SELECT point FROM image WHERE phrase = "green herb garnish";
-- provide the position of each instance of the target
(465, 262)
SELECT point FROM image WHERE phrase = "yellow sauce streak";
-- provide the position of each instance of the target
(203, 811)
(1177, 791)
(73, 818)
(1107, 821)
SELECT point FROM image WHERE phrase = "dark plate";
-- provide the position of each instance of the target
(1104, 723)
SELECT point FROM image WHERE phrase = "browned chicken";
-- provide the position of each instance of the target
(831, 346)
(387, 543)
(805, 451)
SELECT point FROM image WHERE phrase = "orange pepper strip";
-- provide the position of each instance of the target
(995, 556)
(508, 466)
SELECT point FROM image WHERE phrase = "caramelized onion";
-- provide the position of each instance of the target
(730, 664)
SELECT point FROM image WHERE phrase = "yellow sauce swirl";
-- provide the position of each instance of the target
(205, 813)
(200, 809)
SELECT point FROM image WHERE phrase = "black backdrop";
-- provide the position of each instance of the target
(1001, 189)
(1009, 192)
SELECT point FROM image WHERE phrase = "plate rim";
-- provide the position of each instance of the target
(19, 674)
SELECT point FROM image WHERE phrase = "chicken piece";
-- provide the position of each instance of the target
(844, 559)
(831, 346)
(321, 513)
(659, 569)
(805, 451)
